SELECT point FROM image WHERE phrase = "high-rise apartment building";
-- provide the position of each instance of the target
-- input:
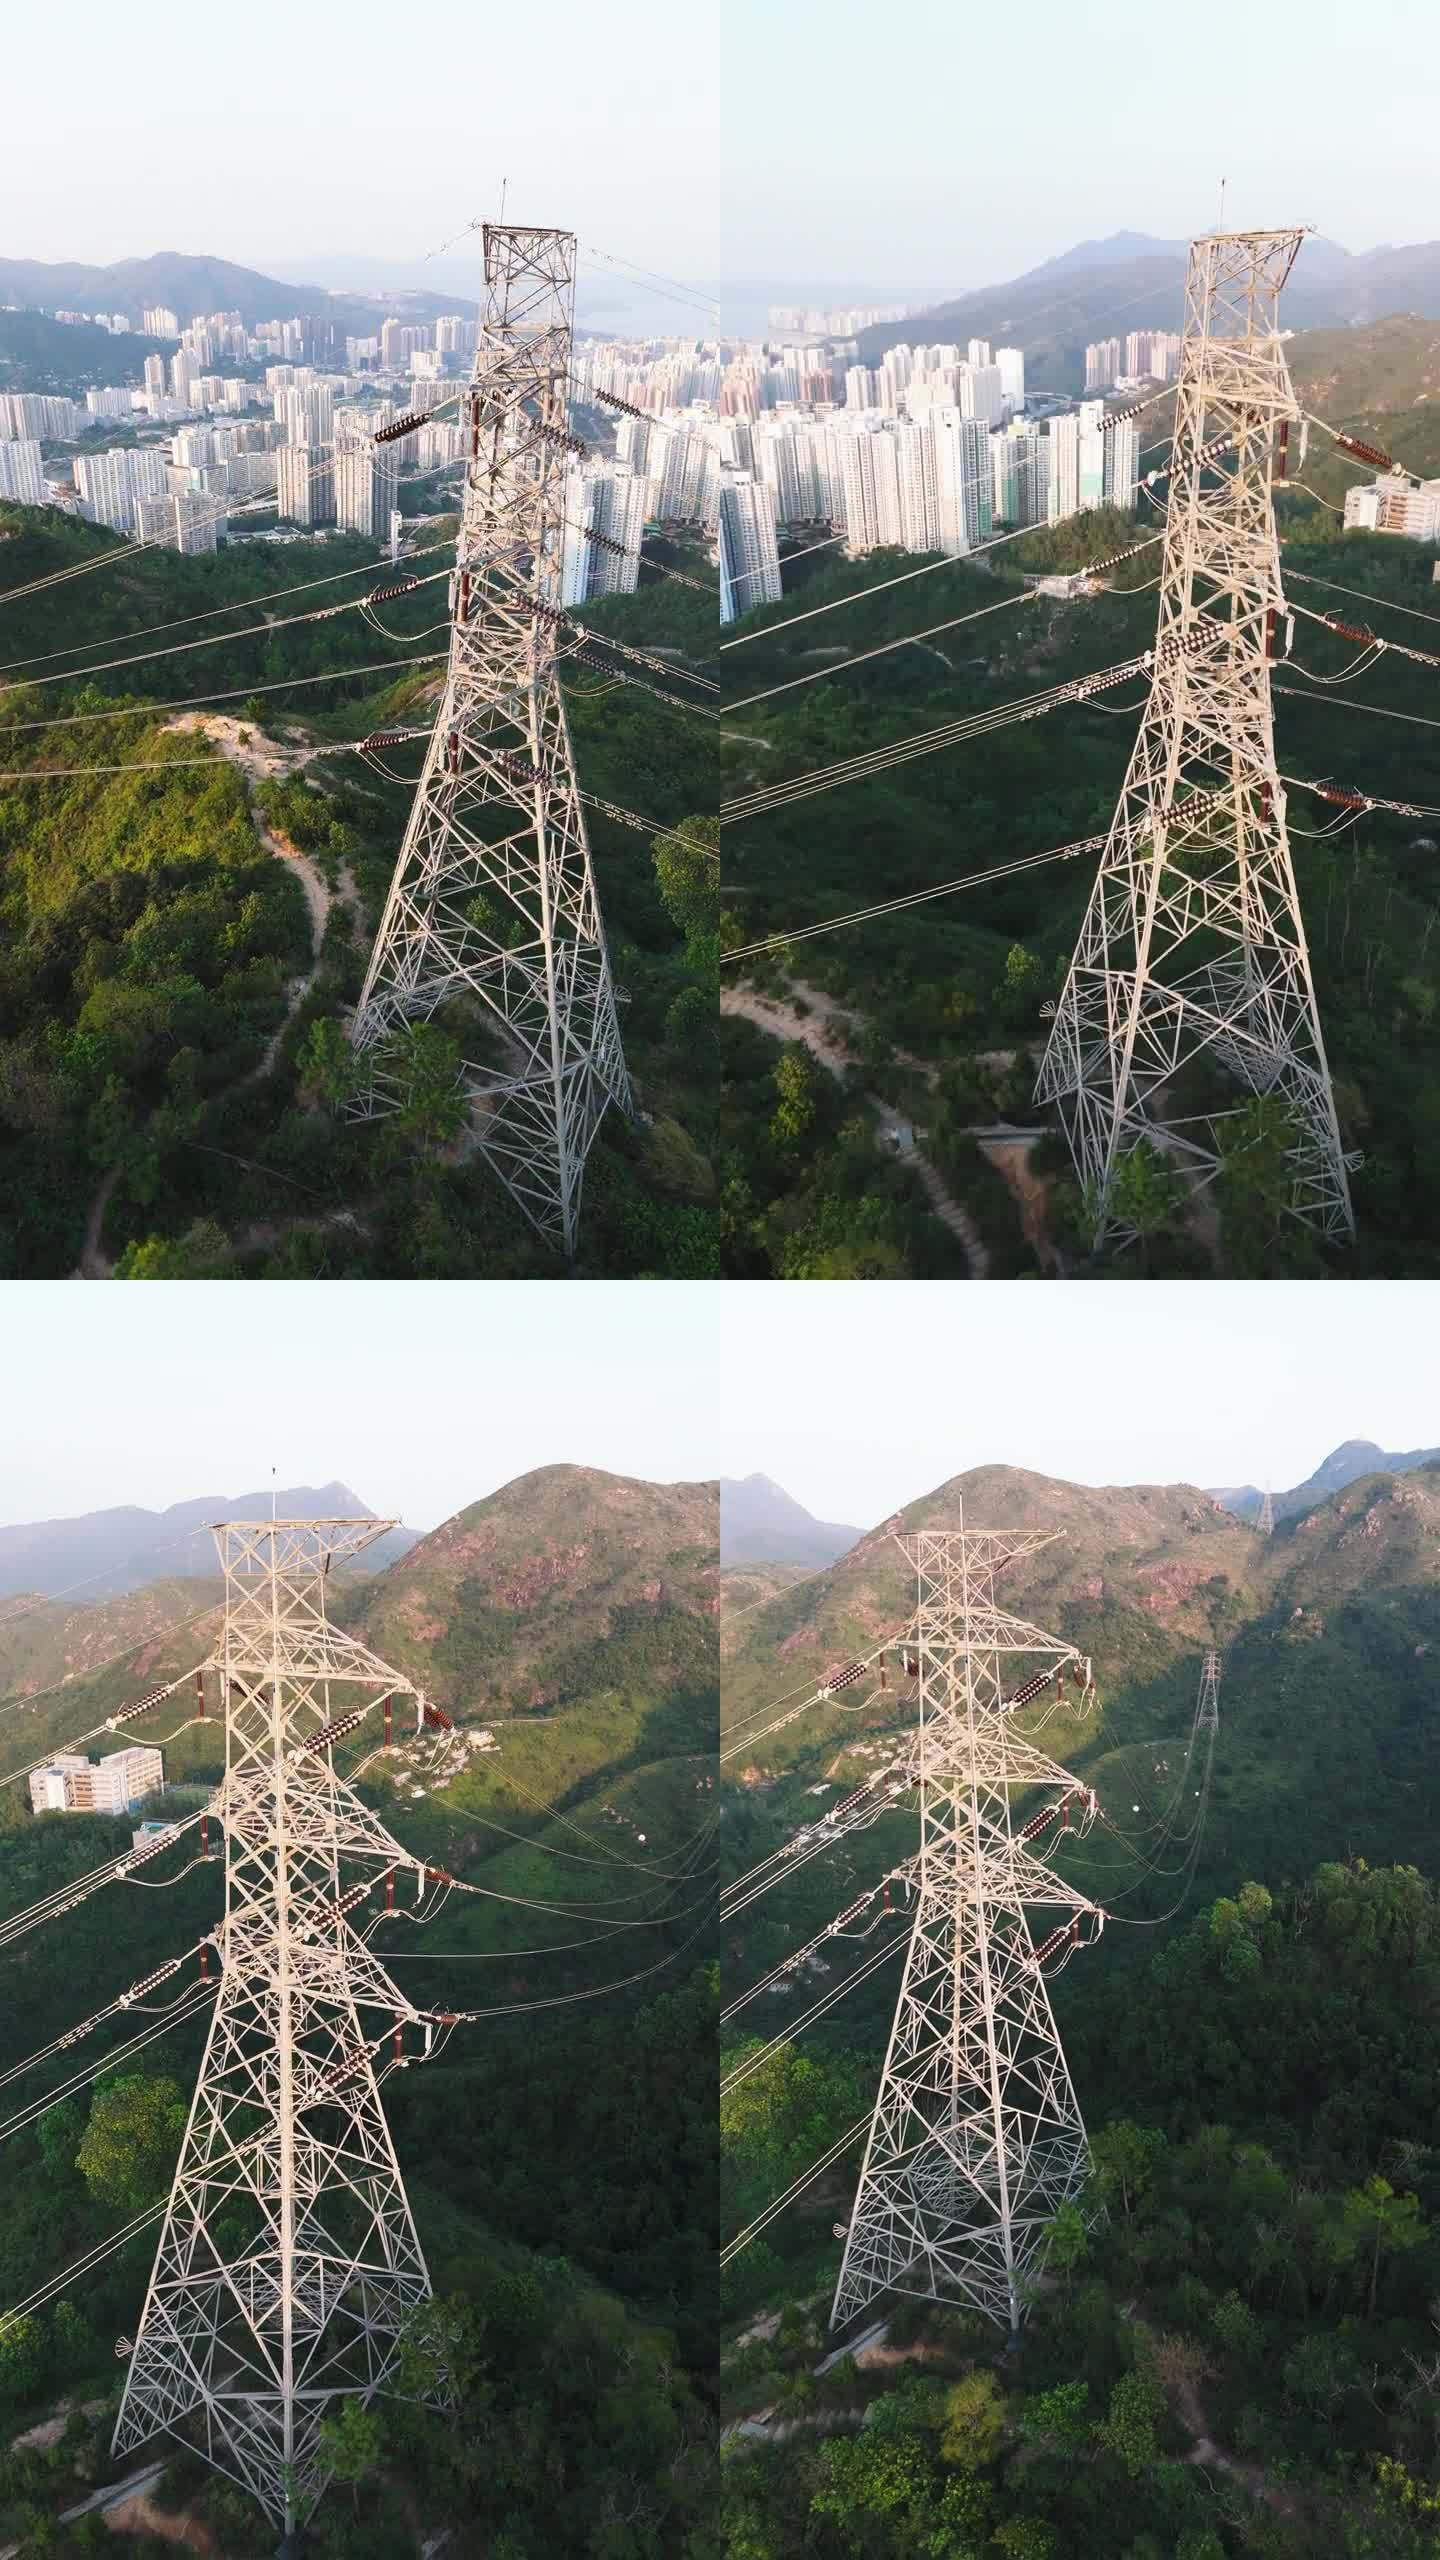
(1091, 453)
(22, 479)
(749, 552)
(604, 498)
(1010, 364)
(364, 490)
(1122, 464)
(1102, 363)
(304, 484)
(160, 323)
(1018, 462)
(1062, 437)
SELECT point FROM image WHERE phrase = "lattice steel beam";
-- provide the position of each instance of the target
(1193, 943)
(288, 2257)
(977, 2137)
(492, 911)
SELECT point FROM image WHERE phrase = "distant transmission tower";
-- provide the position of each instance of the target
(1193, 945)
(288, 2258)
(976, 2138)
(1265, 1516)
(1207, 1709)
(493, 900)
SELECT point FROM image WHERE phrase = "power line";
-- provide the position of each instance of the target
(239, 693)
(1030, 595)
(916, 898)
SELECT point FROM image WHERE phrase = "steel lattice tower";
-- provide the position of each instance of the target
(493, 900)
(976, 2139)
(1265, 1516)
(1207, 1706)
(288, 2258)
(1193, 941)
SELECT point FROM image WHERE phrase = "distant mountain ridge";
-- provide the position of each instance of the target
(760, 1523)
(172, 280)
(1352, 1459)
(1105, 288)
(112, 1552)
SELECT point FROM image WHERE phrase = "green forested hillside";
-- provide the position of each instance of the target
(560, 2159)
(1232, 2351)
(181, 946)
(936, 1014)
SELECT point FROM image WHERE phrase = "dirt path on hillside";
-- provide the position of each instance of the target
(819, 1031)
(1205, 2454)
(1011, 1159)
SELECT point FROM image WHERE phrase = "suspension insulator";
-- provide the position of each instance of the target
(204, 1835)
(1368, 453)
(1282, 460)
(204, 1961)
(405, 426)
(399, 2041)
(385, 738)
(387, 1721)
(200, 1691)
(390, 1889)
(402, 587)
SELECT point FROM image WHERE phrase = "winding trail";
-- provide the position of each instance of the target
(817, 1031)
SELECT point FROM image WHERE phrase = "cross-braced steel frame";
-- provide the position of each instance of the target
(976, 2139)
(288, 2258)
(1193, 940)
(493, 907)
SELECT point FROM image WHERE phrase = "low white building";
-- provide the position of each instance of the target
(72, 1784)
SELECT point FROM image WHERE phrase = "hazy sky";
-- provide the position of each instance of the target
(285, 131)
(860, 1398)
(961, 146)
(422, 1397)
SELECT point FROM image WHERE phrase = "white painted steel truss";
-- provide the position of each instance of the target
(977, 2138)
(288, 2258)
(1193, 940)
(493, 905)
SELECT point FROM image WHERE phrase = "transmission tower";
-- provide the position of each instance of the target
(976, 2138)
(1207, 1709)
(1265, 1516)
(288, 2258)
(493, 901)
(1193, 945)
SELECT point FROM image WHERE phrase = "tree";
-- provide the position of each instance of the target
(1146, 1192)
(1125, 2157)
(132, 2141)
(1069, 2241)
(202, 1253)
(687, 874)
(327, 1061)
(1375, 2218)
(795, 1085)
(1127, 2430)
(974, 2421)
(1058, 2417)
(351, 2439)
